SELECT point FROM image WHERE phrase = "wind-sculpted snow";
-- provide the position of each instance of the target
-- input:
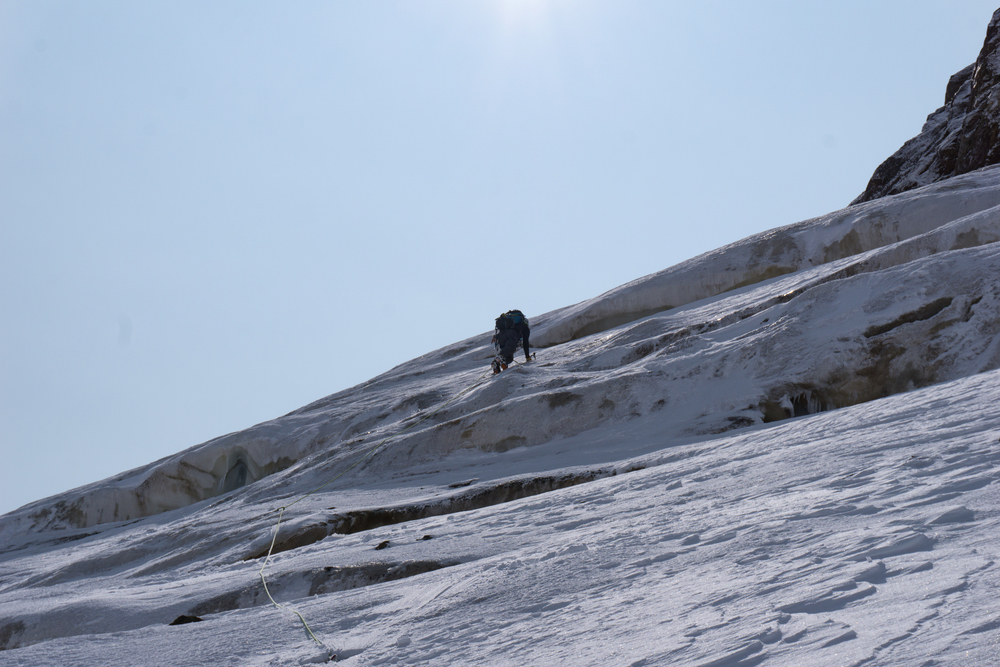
(860, 536)
(857, 326)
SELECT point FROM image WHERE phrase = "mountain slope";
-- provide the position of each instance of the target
(781, 452)
(859, 536)
(929, 270)
(646, 446)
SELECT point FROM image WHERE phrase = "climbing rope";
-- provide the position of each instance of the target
(331, 656)
(368, 454)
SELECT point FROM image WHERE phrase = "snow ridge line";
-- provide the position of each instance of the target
(281, 510)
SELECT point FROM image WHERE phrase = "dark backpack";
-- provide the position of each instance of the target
(511, 319)
(516, 317)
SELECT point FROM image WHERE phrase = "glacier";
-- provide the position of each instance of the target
(780, 452)
(743, 318)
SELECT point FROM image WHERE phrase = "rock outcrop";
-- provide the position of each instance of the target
(961, 136)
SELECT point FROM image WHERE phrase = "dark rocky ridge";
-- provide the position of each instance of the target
(961, 136)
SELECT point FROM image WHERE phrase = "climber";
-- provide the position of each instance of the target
(511, 328)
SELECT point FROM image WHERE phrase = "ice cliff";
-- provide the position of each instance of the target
(873, 300)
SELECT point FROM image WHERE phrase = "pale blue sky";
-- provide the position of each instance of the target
(214, 213)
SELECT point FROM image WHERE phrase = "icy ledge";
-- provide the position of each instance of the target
(777, 252)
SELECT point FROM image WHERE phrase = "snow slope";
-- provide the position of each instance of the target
(926, 249)
(861, 536)
(793, 464)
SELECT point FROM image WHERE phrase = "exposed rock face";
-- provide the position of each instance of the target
(961, 136)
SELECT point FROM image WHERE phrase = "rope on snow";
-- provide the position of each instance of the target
(369, 453)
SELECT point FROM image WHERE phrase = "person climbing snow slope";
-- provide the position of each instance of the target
(511, 328)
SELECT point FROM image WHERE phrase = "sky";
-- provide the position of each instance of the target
(214, 213)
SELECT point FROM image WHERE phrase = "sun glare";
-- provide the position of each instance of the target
(515, 14)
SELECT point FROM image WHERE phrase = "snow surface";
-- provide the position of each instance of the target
(795, 464)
